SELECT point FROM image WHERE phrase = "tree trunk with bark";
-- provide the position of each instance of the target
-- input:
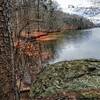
(6, 79)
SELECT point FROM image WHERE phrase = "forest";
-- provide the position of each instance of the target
(26, 29)
(43, 15)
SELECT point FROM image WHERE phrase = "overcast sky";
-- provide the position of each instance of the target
(85, 3)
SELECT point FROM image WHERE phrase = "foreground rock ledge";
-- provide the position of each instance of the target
(67, 76)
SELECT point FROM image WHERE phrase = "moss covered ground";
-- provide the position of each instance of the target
(69, 76)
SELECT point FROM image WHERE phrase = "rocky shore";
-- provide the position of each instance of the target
(62, 77)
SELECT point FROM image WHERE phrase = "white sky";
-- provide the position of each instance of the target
(64, 3)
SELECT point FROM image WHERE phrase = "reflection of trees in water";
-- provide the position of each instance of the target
(50, 48)
(76, 36)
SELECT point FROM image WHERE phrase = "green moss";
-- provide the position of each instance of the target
(90, 95)
(67, 76)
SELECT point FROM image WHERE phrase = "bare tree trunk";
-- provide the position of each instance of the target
(6, 79)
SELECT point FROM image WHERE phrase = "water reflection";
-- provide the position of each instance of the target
(77, 45)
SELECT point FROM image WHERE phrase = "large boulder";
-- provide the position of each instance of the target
(67, 76)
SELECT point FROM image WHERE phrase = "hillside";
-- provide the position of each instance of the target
(92, 13)
(77, 22)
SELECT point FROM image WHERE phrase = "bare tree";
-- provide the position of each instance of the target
(6, 53)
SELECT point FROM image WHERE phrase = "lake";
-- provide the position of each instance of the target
(77, 44)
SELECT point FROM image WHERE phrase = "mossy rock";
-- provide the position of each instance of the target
(67, 76)
(90, 95)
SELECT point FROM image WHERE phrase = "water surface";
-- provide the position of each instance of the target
(78, 44)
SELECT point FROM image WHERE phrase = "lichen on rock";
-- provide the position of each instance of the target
(67, 76)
